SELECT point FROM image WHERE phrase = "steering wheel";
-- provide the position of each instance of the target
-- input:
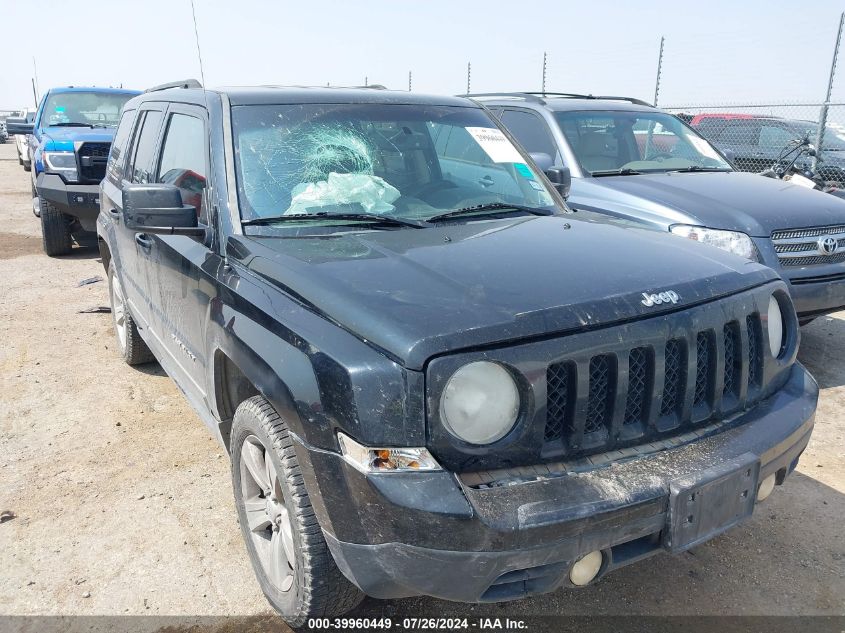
(659, 155)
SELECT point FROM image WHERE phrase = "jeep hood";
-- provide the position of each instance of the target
(418, 293)
(734, 201)
(63, 138)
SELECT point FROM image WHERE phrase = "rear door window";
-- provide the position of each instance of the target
(531, 132)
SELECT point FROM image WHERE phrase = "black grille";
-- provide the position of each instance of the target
(598, 405)
(558, 403)
(639, 370)
(732, 348)
(703, 368)
(92, 161)
(584, 422)
(752, 325)
(673, 378)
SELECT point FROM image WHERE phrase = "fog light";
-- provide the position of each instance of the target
(766, 487)
(586, 568)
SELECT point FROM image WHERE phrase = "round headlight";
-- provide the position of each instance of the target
(775, 327)
(480, 403)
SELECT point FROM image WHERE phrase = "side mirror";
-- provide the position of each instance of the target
(561, 178)
(157, 208)
(18, 125)
(730, 155)
(542, 160)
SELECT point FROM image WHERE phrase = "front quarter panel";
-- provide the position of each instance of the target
(324, 378)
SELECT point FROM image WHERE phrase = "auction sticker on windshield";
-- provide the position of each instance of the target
(495, 144)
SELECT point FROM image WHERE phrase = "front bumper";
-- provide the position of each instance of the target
(817, 295)
(398, 535)
(79, 201)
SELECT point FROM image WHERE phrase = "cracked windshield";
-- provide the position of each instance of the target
(395, 163)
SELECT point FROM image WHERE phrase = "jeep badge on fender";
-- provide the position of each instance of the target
(670, 296)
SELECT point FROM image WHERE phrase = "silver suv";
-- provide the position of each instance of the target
(634, 161)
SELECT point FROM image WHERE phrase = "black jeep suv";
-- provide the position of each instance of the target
(419, 359)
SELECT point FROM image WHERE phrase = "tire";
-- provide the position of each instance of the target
(55, 230)
(129, 342)
(310, 585)
(26, 166)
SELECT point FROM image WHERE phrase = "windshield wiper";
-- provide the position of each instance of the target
(625, 171)
(491, 207)
(304, 217)
(71, 124)
(692, 168)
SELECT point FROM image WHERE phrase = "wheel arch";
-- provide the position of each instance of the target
(105, 252)
(237, 375)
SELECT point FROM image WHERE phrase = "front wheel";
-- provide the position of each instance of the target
(55, 230)
(290, 557)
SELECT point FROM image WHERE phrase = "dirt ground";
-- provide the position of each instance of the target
(123, 502)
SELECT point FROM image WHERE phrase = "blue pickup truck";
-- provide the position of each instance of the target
(69, 144)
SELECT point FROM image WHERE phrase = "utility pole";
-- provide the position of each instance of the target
(826, 104)
(409, 81)
(544, 73)
(34, 93)
(366, 83)
(35, 80)
(659, 71)
(469, 76)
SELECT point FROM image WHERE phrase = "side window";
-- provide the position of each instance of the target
(184, 159)
(530, 131)
(143, 152)
(117, 155)
(741, 133)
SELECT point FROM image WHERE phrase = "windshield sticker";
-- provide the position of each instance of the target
(704, 148)
(495, 144)
(524, 171)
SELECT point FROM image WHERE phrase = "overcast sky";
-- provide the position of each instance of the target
(718, 51)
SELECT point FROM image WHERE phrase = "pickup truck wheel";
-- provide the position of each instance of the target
(290, 557)
(132, 347)
(55, 230)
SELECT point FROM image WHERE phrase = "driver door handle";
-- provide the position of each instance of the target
(143, 240)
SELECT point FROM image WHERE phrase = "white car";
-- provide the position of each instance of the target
(22, 140)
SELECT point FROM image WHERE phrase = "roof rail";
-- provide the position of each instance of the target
(540, 97)
(184, 83)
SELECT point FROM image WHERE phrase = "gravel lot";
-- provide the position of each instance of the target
(123, 504)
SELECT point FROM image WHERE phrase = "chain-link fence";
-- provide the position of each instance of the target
(756, 136)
